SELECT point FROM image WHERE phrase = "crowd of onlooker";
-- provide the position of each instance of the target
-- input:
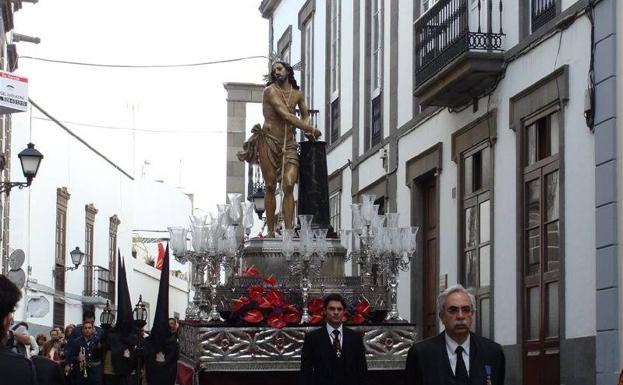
(52, 347)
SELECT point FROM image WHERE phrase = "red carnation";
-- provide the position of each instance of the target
(276, 321)
(263, 303)
(270, 280)
(315, 306)
(253, 316)
(363, 308)
(239, 303)
(292, 317)
(315, 319)
(275, 297)
(255, 292)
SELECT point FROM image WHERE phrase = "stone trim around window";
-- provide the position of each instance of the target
(423, 163)
(335, 182)
(378, 188)
(285, 40)
(307, 11)
(483, 128)
(551, 89)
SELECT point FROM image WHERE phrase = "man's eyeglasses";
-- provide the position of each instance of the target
(463, 309)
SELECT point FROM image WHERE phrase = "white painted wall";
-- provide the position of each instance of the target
(89, 179)
(340, 155)
(346, 67)
(405, 61)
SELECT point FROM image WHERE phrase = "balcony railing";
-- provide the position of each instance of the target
(100, 284)
(542, 11)
(443, 33)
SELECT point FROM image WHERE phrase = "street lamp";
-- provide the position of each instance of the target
(107, 318)
(76, 258)
(30, 159)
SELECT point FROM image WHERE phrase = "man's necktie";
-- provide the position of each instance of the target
(336, 342)
(460, 372)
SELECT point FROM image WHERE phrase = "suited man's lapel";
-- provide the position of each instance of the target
(325, 343)
(443, 351)
(347, 347)
(476, 365)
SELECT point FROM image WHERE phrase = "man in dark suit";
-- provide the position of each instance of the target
(16, 369)
(456, 356)
(333, 354)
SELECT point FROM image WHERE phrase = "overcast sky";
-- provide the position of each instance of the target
(190, 102)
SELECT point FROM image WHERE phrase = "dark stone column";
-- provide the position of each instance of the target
(313, 184)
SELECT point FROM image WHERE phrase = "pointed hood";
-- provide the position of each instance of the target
(160, 329)
(124, 303)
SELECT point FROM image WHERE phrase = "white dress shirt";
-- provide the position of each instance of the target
(330, 330)
(451, 346)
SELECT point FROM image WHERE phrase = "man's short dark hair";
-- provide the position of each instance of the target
(173, 319)
(92, 323)
(88, 314)
(9, 296)
(333, 297)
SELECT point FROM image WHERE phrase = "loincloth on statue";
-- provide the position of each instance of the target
(274, 147)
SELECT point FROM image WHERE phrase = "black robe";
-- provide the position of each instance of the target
(161, 372)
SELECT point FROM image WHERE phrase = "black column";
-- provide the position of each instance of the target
(313, 184)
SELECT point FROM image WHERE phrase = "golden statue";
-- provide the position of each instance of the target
(273, 145)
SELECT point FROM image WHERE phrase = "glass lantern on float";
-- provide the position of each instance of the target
(215, 245)
(308, 259)
(379, 245)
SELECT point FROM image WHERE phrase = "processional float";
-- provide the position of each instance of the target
(255, 298)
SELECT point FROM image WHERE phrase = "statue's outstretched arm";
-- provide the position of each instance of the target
(290, 118)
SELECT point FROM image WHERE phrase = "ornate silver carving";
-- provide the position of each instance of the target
(266, 349)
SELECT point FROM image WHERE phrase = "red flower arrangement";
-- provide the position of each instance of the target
(357, 314)
(264, 304)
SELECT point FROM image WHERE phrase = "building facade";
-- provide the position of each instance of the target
(81, 198)
(491, 125)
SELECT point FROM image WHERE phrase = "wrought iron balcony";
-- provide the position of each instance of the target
(98, 282)
(457, 59)
(542, 11)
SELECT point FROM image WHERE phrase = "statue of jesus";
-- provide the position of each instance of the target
(273, 144)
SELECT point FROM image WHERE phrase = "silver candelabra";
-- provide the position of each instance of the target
(215, 248)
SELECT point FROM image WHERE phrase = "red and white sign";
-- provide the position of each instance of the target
(13, 93)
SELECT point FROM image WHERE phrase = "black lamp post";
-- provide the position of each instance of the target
(258, 201)
(107, 318)
(30, 159)
(140, 320)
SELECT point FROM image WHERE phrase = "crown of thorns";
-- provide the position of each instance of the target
(276, 57)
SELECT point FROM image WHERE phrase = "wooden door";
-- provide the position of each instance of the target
(430, 288)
